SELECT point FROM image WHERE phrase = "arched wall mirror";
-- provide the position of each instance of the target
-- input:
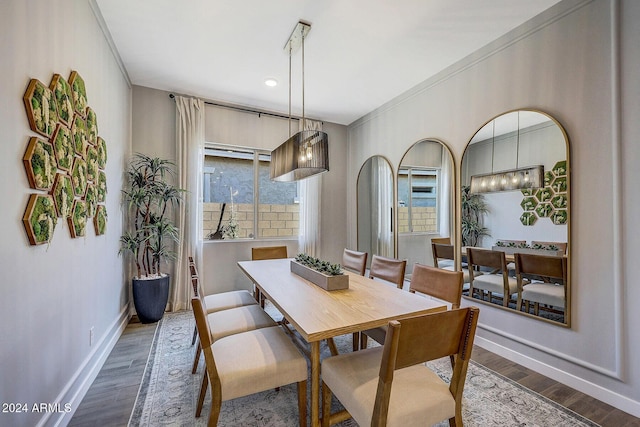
(425, 200)
(375, 208)
(505, 208)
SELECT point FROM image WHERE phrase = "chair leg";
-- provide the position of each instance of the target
(363, 341)
(356, 341)
(332, 346)
(203, 392)
(216, 404)
(302, 403)
(196, 358)
(326, 405)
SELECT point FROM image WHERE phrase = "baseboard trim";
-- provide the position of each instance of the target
(610, 397)
(77, 387)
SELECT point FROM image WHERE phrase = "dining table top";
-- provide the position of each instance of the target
(318, 314)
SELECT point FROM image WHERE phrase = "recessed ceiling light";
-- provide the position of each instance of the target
(271, 82)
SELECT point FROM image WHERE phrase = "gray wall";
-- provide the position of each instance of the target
(52, 295)
(578, 64)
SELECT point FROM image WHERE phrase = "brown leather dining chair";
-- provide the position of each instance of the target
(387, 269)
(548, 283)
(496, 281)
(266, 252)
(391, 385)
(355, 261)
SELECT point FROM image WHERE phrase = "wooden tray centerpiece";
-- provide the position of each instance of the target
(329, 277)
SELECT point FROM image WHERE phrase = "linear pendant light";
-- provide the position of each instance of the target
(307, 152)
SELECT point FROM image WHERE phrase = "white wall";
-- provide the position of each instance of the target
(154, 134)
(564, 62)
(51, 295)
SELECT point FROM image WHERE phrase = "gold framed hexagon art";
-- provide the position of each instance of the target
(92, 163)
(63, 147)
(79, 177)
(79, 93)
(40, 164)
(101, 187)
(101, 146)
(79, 132)
(63, 195)
(62, 93)
(40, 219)
(100, 220)
(78, 219)
(90, 198)
(42, 108)
(92, 126)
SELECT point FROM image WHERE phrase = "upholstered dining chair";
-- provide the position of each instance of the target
(246, 363)
(435, 282)
(266, 252)
(495, 281)
(391, 385)
(548, 285)
(355, 261)
(387, 269)
(446, 252)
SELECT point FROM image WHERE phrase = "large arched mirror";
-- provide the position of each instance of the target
(425, 201)
(375, 208)
(515, 200)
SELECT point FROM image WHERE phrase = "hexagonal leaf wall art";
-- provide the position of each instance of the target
(528, 218)
(544, 210)
(79, 177)
(560, 168)
(62, 93)
(91, 199)
(78, 219)
(63, 195)
(40, 164)
(92, 163)
(40, 219)
(559, 184)
(559, 216)
(79, 132)
(92, 126)
(101, 146)
(559, 201)
(100, 220)
(79, 93)
(529, 203)
(63, 147)
(102, 187)
(42, 108)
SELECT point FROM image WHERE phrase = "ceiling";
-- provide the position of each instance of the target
(359, 54)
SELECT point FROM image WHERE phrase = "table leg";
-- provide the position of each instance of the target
(315, 384)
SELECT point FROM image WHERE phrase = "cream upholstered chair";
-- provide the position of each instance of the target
(435, 282)
(355, 261)
(266, 252)
(390, 385)
(247, 363)
(496, 281)
(443, 251)
(387, 269)
(548, 284)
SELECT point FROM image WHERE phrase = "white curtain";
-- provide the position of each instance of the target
(310, 192)
(381, 195)
(190, 151)
(445, 209)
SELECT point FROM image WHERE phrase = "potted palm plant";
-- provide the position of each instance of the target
(474, 208)
(151, 233)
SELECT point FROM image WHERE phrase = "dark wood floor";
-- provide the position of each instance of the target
(110, 399)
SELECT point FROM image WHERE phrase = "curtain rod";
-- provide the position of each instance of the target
(244, 110)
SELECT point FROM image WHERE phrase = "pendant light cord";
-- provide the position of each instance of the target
(303, 118)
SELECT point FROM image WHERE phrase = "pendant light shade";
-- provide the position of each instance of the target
(307, 152)
(304, 154)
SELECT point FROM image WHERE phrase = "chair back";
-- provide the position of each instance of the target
(441, 251)
(193, 270)
(419, 339)
(548, 267)
(486, 258)
(204, 332)
(442, 284)
(389, 269)
(441, 240)
(355, 261)
(268, 252)
(562, 246)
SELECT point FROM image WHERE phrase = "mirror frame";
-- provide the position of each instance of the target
(393, 204)
(458, 245)
(454, 231)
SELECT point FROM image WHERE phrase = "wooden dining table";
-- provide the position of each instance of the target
(317, 314)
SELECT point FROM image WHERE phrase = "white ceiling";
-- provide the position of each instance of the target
(359, 54)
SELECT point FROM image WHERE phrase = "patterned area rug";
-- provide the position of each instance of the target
(168, 393)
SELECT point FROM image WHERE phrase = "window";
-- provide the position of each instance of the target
(240, 177)
(418, 200)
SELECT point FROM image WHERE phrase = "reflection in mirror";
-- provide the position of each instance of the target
(526, 220)
(425, 201)
(375, 202)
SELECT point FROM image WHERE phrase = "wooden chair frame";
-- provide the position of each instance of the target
(543, 267)
(495, 260)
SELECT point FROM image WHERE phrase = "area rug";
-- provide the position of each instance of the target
(168, 392)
